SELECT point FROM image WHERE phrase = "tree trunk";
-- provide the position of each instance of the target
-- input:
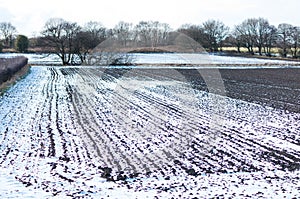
(249, 49)
(239, 48)
(284, 54)
(259, 50)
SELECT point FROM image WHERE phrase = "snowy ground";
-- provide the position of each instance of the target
(96, 132)
(204, 59)
(175, 58)
(36, 59)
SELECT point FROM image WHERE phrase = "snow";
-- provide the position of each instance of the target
(202, 59)
(12, 188)
(36, 59)
(240, 119)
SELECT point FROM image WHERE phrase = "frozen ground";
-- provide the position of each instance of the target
(36, 59)
(204, 59)
(177, 58)
(96, 132)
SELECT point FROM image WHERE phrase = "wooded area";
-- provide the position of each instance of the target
(71, 41)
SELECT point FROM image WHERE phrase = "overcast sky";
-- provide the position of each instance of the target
(29, 16)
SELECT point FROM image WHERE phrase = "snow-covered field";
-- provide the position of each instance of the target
(36, 59)
(97, 132)
(205, 59)
(175, 58)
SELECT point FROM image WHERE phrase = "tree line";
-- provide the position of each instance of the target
(69, 40)
(10, 39)
(253, 33)
(73, 43)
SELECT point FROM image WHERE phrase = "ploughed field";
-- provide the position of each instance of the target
(121, 132)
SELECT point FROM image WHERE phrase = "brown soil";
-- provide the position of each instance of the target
(278, 88)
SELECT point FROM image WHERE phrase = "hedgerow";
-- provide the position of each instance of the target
(9, 66)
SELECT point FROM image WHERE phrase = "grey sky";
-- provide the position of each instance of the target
(29, 16)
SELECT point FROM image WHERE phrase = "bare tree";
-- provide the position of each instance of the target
(196, 32)
(92, 34)
(245, 36)
(270, 39)
(284, 37)
(215, 32)
(60, 36)
(97, 32)
(124, 32)
(83, 44)
(261, 28)
(8, 31)
(237, 39)
(159, 33)
(165, 31)
(295, 39)
(253, 33)
(142, 33)
(151, 34)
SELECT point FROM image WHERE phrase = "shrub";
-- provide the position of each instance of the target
(22, 43)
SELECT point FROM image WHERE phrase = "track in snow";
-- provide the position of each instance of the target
(67, 129)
